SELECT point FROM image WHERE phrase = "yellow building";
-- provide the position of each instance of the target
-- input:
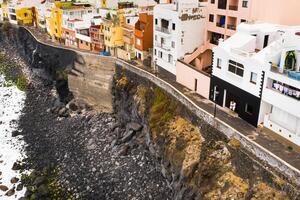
(55, 20)
(113, 32)
(26, 16)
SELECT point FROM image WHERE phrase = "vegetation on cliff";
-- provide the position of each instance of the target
(196, 166)
(13, 73)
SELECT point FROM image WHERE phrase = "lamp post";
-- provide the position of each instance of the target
(155, 66)
(216, 93)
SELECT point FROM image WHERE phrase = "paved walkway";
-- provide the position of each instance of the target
(277, 145)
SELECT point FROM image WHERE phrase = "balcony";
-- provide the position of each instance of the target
(162, 30)
(163, 46)
(231, 27)
(291, 74)
(234, 8)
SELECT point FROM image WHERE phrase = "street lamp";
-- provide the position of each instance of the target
(216, 94)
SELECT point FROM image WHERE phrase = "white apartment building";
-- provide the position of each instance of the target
(280, 107)
(178, 30)
(256, 74)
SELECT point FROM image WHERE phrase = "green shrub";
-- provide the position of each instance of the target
(22, 83)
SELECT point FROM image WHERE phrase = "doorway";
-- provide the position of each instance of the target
(232, 102)
(196, 85)
(266, 40)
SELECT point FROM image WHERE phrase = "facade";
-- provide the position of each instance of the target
(55, 20)
(143, 35)
(84, 38)
(97, 38)
(113, 32)
(280, 107)
(4, 11)
(238, 72)
(175, 34)
(69, 32)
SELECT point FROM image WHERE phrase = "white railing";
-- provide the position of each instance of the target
(242, 52)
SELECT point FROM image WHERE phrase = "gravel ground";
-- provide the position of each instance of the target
(84, 148)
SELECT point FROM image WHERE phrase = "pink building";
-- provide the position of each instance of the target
(222, 18)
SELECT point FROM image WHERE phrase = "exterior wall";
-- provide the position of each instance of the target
(84, 45)
(229, 92)
(145, 36)
(276, 11)
(25, 16)
(250, 65)
(173, 44)
(186, 75)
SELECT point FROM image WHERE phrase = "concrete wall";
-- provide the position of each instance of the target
(186, 76)
(91, 75)
(91, 80)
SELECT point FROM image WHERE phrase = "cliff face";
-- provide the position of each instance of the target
(197, 161)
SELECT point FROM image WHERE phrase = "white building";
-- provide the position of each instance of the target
(280, 107)
(256, 74)
(178, 30)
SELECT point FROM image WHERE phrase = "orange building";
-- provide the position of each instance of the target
(143, 36)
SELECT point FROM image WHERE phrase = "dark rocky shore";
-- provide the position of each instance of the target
(82, 147)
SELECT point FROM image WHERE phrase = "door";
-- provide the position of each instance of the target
(232, 101)
(196, 85)
(266, 40)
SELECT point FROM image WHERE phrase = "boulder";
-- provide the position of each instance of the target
(14, 180)
(10, 192)
(127, 137)
(42, 190)
(16, 133)
(134, 126)
(39, 180)
(3, 188)
(20, 187)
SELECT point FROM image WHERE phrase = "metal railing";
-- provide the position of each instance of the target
(162, 29)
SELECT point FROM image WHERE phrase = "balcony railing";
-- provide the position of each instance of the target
(242, 52)
(289, 73)
(163, 46)
(231, 27)
(233, 7)
(162, 29)
(220, 25)
(286, 90)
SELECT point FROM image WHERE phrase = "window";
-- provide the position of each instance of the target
(138, 41)
(86, 43)
(173, 26)
(253, 78)
(155, 51)
(236, 68)
(160, 54)
(173, 44)
(170, 58)
(219, 63)
(249, 109)
(155, 37)
(245, 4)
(211, 18)
(212, 1)
(156, 21)
(243, 20)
